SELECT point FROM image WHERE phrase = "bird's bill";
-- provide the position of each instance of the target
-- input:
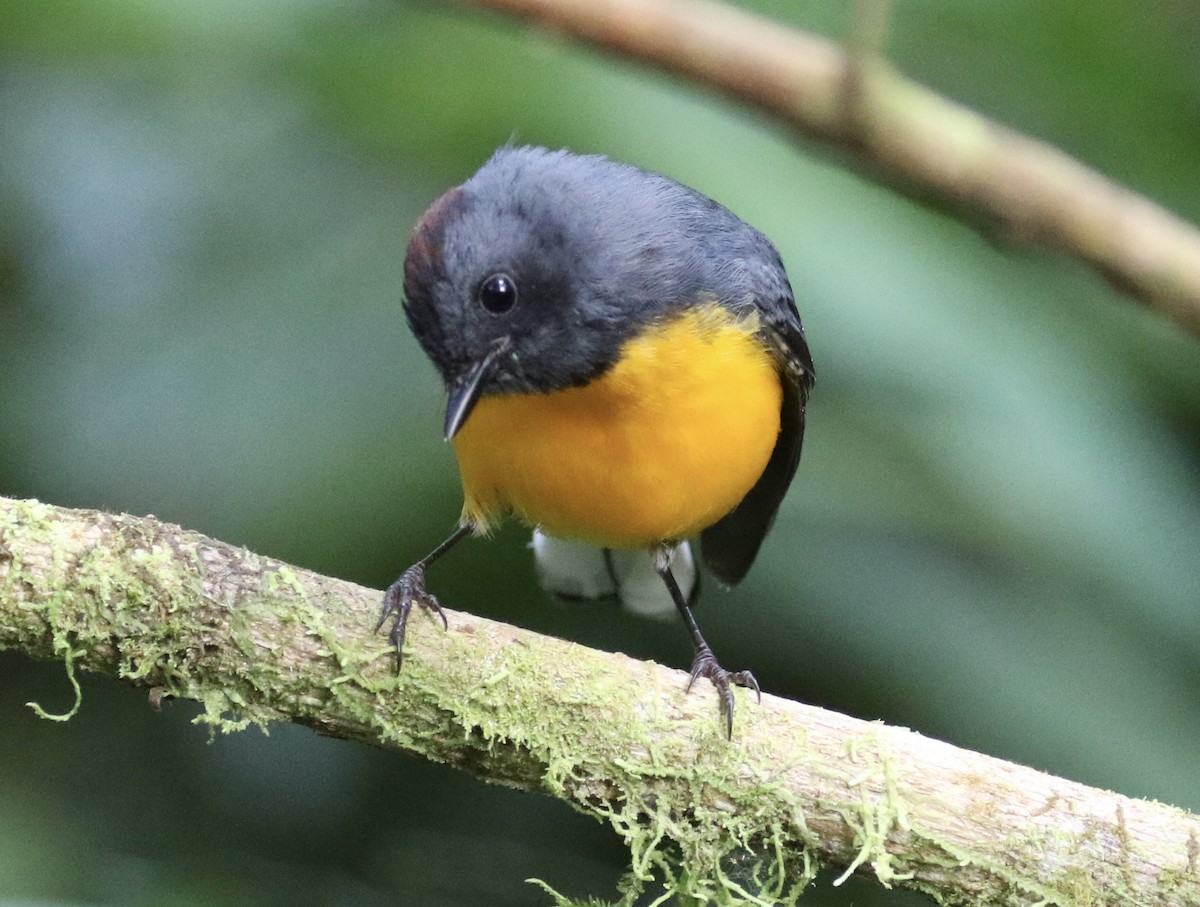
(466, 388)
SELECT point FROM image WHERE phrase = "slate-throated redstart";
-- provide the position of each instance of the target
(625, 367)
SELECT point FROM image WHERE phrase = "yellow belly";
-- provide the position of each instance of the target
(661, 446)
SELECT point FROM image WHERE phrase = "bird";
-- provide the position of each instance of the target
(625, 369)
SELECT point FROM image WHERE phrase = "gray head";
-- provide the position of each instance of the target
(531, 275)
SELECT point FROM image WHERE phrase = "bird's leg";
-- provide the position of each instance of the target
(410, 590)
(705, 663)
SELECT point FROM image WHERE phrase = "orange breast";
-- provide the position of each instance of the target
(661, 446)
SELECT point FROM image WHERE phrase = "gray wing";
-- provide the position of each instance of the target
(730, 545)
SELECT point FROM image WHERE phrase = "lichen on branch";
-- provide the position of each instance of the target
(748, 821)
(902, 134)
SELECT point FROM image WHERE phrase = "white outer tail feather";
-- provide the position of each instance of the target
(578, 570)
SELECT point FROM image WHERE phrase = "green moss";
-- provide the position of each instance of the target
(872, 818)
(685, 835)
(69, 656)
(29, 523)
(700, 824)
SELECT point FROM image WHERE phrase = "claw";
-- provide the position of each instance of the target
(398, 603)
(705, 665)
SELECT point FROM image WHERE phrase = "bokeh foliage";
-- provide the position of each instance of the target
(994, 537)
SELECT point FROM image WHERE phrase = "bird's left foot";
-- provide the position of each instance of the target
(705, 665)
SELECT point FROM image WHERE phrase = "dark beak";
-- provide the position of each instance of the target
(464, 391)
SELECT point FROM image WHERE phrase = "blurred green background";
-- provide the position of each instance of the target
(994, 537)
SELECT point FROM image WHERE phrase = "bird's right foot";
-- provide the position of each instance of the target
(398, 603)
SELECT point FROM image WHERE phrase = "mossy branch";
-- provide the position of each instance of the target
(256, 640)
(902, 134)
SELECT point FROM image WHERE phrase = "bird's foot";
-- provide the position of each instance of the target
(705, 665)
(398, 602)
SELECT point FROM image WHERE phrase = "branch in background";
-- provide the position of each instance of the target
(256, 641)
(904, 134)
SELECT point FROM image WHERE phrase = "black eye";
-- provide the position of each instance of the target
(498, 294)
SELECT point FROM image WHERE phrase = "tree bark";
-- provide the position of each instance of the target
(1014, 187)
(256, 640)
